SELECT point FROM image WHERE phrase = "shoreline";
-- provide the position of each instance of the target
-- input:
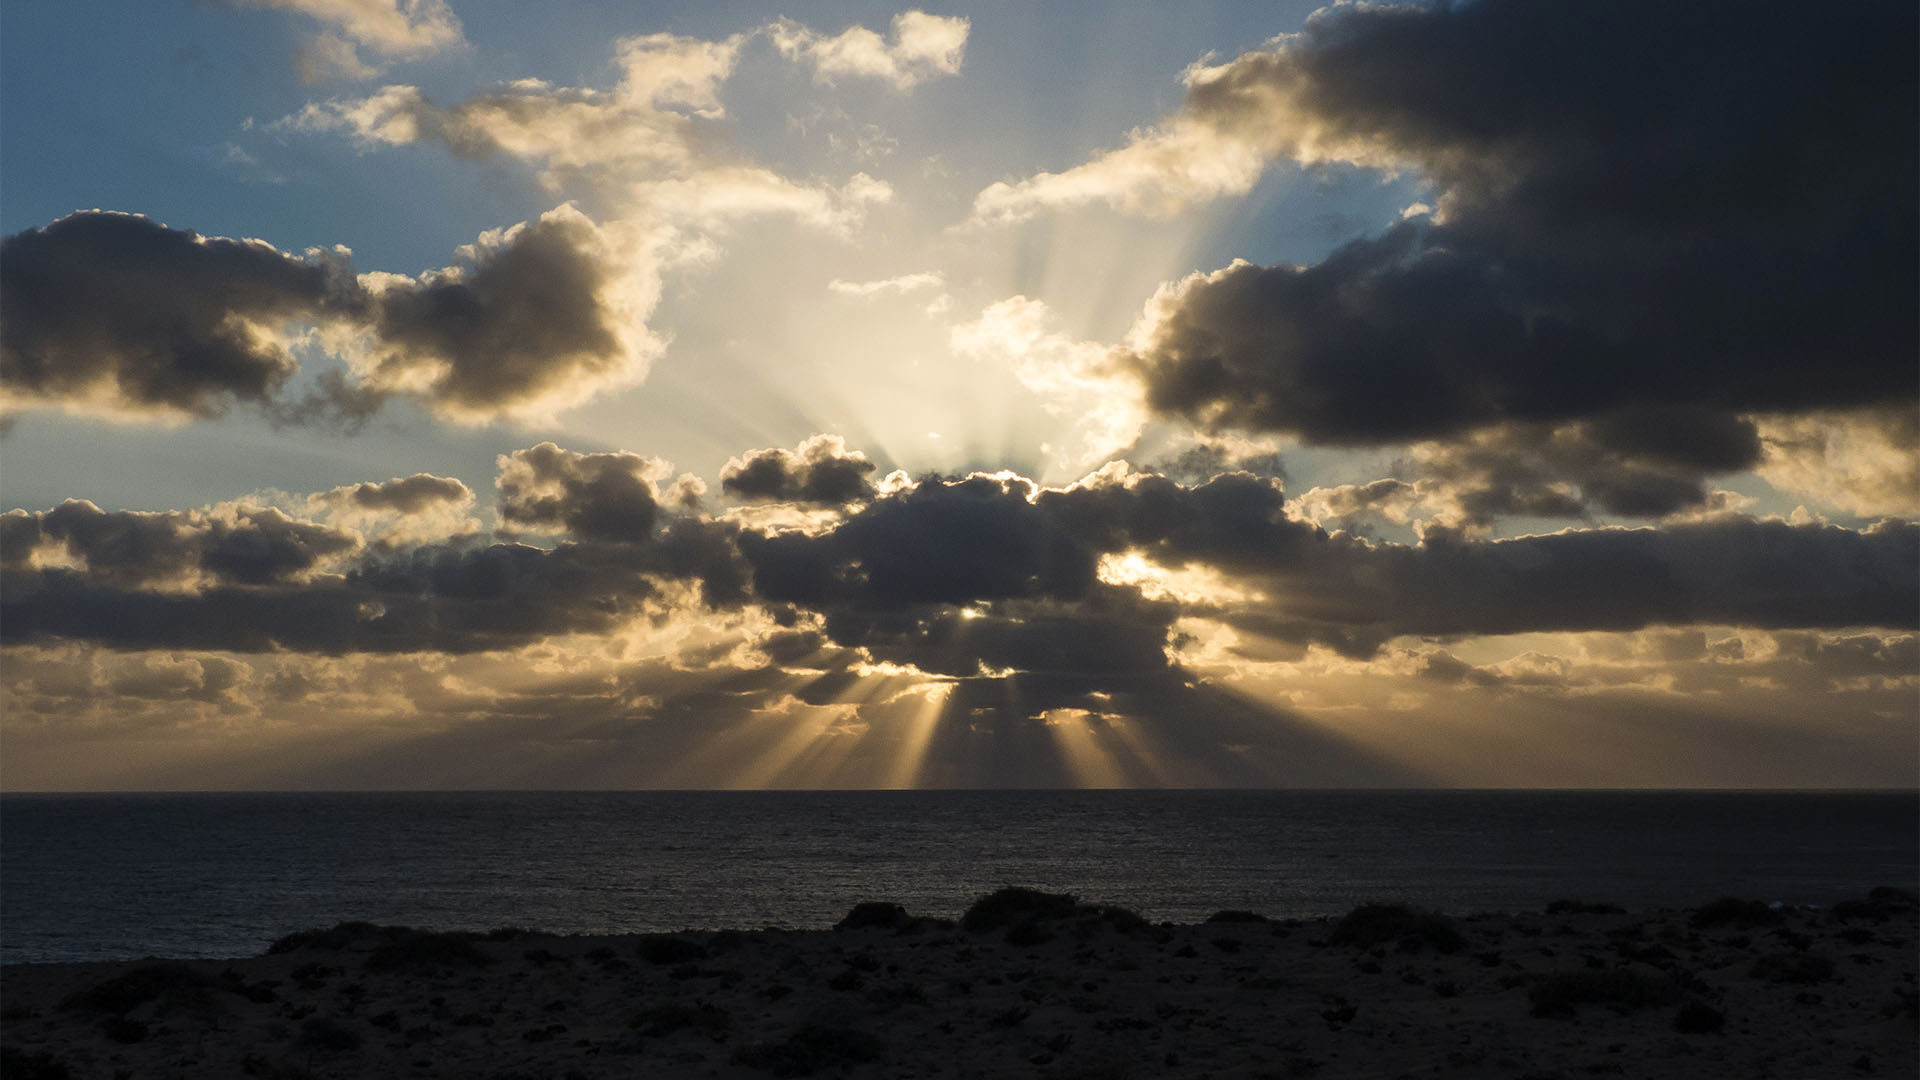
(1024, 984)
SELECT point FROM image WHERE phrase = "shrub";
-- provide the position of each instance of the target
(704, 1019)
(1581, 907)
(1696, 1017)
(1556, 993)
(38, 1065)
(875, 913)
(1880, 904)
(1014, 904)
(1234, 915)
(405, 949)
(668, 949)
(1733, 911)
(811, 1048)
(332, 939)
(149, 982)
(1377, 924)
(1792, 967)
(329, 1035)
(1028, 934)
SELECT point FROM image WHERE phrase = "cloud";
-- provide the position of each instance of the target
(1864, 461)
(119, 314)
(402, 495)
(893, 286)
(392, 29)
(923, 47)
(649, 147)
(1579, 327)
(821, 470)
(248, 579)
(534, 319)
(173, 550)
(979, 612)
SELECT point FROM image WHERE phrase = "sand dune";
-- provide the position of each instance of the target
(1026, 984)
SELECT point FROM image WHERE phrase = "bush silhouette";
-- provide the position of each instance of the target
(1556, 993)
(1015, 904)
(1733, 911)
(405, 948)
(1792, 967)
(335, 938)
(149, 982)
(1881, 903)
(1379, 924)
(811, 1048)
(1696, 1017)
(875, 913)
(668, 949)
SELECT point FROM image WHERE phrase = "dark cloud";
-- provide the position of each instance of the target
(962, 578)
(518, 322)
(244, 545)
(1730, 571)
(1653, 219)
(820, 470)
(592, 496)
(401, 495)
(117, 311)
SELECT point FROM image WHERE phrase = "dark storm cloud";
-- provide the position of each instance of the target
(118, 311)
(443, 597)
(591, 496)
(939, 542)
(518, 322)
(821, 470)
(1733, 571)
(115, 311)
(401, 495)
(245, 545)
(1647, 210)
(986, 574)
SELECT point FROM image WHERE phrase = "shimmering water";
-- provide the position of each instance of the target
(122, 876)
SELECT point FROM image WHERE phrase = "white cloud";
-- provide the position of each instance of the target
(392, 29)
(924, 47)
(893, 286)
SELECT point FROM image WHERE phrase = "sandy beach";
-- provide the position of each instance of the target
(1025, 984)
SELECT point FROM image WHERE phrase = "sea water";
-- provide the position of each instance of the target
(94, 877)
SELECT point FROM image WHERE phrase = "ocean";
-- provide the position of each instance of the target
(107, 877)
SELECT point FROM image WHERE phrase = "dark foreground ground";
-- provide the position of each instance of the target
(1026, 985)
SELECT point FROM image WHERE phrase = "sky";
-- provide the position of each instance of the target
(469, 394)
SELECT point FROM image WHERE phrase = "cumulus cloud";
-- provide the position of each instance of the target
(821, 470)
(535, 318)
(648, 146)
(410, 509)
(1608, 294)
(985, 604)
(923, 47)
(248, 579)
(173, 550)
(391, 29)
(546, 489)
(119, 314)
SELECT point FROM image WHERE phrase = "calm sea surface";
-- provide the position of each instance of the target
(124, 876)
